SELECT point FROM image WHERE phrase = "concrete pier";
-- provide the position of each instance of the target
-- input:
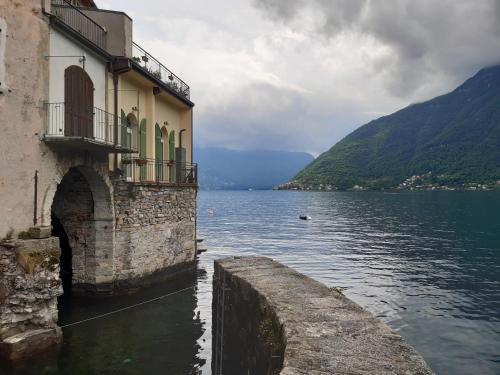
(270, 319)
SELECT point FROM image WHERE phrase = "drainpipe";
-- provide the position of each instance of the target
(180, 137)
(35, 213)
(115, 94)
(192, 131)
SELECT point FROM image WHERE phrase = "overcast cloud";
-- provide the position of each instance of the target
(301, 74)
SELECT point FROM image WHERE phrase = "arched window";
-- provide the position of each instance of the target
(133, 129)
(164, 140)
(158, 143)
(158, 153)
(128, 138)
(78, 103)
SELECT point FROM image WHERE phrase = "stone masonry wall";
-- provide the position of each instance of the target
(270, 319)
(155, 228)
(74, 206)
(29, 286)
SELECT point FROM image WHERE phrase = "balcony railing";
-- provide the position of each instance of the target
(79, 22)
(93, 125)
(159, 171)
(158, 70)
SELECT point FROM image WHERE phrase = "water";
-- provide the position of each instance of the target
(427, 263)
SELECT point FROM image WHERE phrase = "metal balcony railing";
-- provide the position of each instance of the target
(158, 171)
(94, 124)
(158, 70)
(72, 17)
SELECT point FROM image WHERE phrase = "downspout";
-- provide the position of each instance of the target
(115, 104)
(192, 131)
(180, 138)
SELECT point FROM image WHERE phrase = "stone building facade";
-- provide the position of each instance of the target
(96, 167)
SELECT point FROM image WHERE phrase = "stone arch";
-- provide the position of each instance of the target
(82, 207)
(164, 138)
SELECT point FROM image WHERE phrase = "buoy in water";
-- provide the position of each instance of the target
(304, 217)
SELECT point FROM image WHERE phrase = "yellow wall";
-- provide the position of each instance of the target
(136, 91)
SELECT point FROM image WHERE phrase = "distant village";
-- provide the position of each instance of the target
(414, 183)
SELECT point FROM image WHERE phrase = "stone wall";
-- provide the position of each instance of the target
(155, 228)
(74, 207)
(270, 319)
(29, 288)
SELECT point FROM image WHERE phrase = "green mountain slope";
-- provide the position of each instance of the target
(455, 136)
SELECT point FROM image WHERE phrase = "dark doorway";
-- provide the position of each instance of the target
(66, 269)
(78, 103)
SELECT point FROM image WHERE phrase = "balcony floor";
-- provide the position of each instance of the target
(85, 144)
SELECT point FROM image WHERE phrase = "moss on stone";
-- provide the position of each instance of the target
(31, 260)
(23, 235)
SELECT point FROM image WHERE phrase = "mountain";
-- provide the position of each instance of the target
(455, 137)
(223, 169)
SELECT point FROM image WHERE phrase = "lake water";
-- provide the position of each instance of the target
(426, 263)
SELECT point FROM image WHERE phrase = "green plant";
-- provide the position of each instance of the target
(23, 235)
(9, 235)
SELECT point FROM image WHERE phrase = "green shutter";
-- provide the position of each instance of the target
(158, 153)
(171, 145)
(143, 148)
(143, 140)
(123, 129)
(171, 156)
(158, 144)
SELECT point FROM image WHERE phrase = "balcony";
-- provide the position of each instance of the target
(152, 171)
(92, 128)
(76, 20)
(149, 64)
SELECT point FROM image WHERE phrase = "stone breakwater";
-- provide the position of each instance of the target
(270, 319)
(29, 287)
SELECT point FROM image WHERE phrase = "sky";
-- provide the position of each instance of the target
(299, 75)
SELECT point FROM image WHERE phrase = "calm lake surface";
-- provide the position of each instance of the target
(426, 263)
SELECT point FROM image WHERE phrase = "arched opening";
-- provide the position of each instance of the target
(129, 139)
(65, 266)
(164, 143)
(81, 215)
(158, 154)
(78, 103)
(133, 125)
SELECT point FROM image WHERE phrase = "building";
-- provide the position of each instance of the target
(96, 158)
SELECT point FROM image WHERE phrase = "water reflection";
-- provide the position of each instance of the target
(158, 337)
(426, 263)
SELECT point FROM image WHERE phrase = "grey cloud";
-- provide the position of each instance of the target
(426, 36)
(302, 74)
(291, 122)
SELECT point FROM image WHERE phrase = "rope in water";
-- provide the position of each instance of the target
(126, 308)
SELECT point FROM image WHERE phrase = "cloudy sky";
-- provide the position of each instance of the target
(301, 74)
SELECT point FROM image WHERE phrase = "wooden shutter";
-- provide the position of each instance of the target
(79, 103)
